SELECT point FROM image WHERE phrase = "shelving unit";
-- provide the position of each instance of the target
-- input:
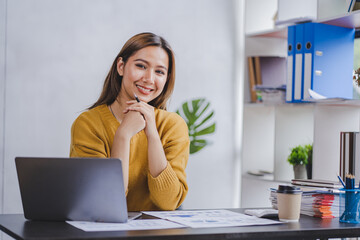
(349, 20)
(270, 130)
(280, 32)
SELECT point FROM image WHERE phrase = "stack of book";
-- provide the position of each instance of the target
(320, 198)
(320, 204)
(317, 183)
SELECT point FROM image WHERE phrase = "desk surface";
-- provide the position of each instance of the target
(18, 227)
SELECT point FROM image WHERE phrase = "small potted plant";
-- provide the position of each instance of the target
(309, 149)
(299, 158)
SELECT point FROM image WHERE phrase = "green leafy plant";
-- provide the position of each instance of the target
(197, 115)
(309, 149)
(298, 156)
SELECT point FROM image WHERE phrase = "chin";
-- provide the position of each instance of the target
(150, 98)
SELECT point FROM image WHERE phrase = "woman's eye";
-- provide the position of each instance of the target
(160, 72)
(140, 66)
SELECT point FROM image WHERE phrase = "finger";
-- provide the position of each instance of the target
(133, 108)
(131, 102)
(144, 111)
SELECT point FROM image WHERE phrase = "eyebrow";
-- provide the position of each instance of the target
(142, 60)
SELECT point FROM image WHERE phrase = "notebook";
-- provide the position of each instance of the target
(75, 189)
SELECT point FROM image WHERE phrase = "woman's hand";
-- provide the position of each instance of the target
(147, 111)
(156, 154)
(132, 123)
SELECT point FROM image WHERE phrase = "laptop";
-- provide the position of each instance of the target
(72, 189)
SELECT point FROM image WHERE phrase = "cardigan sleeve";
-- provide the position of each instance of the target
(168, 190)
(85, 141)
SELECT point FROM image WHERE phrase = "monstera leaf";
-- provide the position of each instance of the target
(197, 116)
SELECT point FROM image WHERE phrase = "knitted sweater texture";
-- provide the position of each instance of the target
(92, 135)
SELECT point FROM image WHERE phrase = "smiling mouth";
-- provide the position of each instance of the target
(143, 89)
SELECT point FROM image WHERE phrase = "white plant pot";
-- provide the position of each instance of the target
(300, 171)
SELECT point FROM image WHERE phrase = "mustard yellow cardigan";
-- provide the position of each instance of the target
(92, 135)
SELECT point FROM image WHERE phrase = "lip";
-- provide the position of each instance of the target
(144, 90)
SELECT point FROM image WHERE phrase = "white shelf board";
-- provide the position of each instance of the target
(348, 20)
(259, 105)
(282, 104)
(272, 33)
(266, 178)
(348, 103)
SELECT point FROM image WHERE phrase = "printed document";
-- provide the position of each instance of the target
(210, 218)
(141, 224)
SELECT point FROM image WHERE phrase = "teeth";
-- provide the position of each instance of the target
(144, 89)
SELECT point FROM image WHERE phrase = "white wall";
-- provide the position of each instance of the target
(2, 94)
(329, 122)
(259, 15)
(294, 125)
(258, 139)
(58, 54)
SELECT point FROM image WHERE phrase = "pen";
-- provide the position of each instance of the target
(342, 182)
(136, 97)
(350, 181)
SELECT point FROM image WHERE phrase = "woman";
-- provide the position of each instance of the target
(130, 122)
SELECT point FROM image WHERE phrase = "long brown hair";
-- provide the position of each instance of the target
(113, 80)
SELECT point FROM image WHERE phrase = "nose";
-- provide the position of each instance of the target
(149, 76)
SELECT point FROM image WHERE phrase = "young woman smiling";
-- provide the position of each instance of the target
(129, 121)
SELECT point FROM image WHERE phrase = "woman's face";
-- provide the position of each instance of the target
(144, 74)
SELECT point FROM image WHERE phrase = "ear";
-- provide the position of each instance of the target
(120, 66)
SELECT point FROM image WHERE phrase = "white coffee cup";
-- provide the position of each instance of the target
(289, 203)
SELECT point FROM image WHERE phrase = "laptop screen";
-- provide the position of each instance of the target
(78, 189)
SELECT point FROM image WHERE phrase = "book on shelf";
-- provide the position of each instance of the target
(267, 78)
(252, 79)
(258, 79)
(316, 183)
